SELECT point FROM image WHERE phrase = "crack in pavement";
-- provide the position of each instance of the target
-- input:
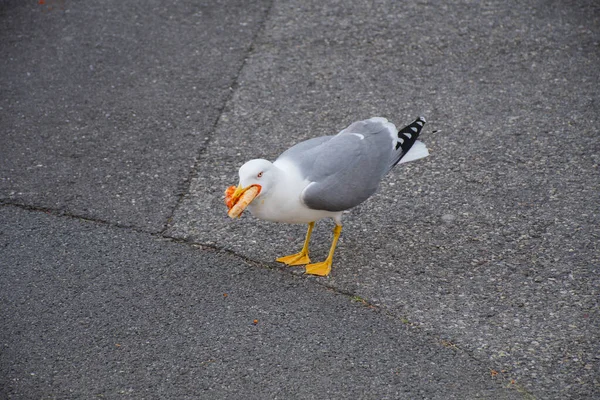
(434, 339)
(193, 172)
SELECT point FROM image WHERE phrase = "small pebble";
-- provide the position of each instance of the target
(448, 217)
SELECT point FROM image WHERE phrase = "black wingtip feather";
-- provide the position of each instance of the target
(408, 135)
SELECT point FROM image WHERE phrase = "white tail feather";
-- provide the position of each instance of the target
(417, 151)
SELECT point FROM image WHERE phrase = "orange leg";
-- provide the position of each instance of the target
(302, 257)
(324, 268)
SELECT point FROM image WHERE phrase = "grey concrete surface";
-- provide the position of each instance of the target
(492, 242)
(126, 122)
(94, 311)
(105, 105)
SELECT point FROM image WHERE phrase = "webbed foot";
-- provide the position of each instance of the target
(320, 268)
(295, 259)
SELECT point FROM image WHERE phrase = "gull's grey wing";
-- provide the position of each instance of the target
(346, 169)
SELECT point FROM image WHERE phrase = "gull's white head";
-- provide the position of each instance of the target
(256, 178)
(257, 172)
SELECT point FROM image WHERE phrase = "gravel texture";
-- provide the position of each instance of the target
(105, 105)
(103, 312)
(492, 242)
(472, 273)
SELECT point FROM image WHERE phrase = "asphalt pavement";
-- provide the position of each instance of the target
(473, 273)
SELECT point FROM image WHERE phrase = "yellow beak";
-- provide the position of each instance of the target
(239, 190)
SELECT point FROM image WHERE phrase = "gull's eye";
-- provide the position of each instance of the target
(259, 174)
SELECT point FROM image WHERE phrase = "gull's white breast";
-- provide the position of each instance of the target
(283, 202)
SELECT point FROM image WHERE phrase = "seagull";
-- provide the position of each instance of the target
(322, 177)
